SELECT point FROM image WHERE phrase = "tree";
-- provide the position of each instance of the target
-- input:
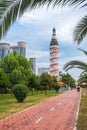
(76, 64)
(4, 81)
(82, 79)
(11, 10)
(15, 77)
(34, 83)
(17, 68)
(68, 79)
(80, 30)
(46, 81)
(20, 91)
(55, 84)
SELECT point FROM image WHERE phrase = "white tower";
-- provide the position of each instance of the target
(54, 49)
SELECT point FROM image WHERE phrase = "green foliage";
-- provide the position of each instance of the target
(8, 104)
(68, 79)
(55, 84)
(46, 81)
(80, 30)
(76, 64)
(17, 68)
(4, 81)
(11, 10)
(34, 82)
(20, 91)
(82, 79)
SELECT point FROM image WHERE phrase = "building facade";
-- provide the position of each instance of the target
(20, 48)
(54, 50)
(4, 49)
(33, 65)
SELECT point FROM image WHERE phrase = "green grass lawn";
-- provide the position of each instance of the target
(9, 105)
(82, 118)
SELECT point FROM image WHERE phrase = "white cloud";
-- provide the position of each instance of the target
(64, 20)
(37, 54)
(36, 28)
(27, 18)
(43, 64)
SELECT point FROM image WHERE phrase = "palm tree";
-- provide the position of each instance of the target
(77, 64)
(80, 30)
(11, 10)
(83, 79)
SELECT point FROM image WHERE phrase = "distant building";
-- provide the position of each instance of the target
(33, 64)
(54, 50)
(4, 49)
(43, 70)
(20, 48)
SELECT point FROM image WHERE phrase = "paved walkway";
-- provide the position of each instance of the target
(58, 113)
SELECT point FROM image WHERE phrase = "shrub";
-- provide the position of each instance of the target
(20, 91)
(56, 86)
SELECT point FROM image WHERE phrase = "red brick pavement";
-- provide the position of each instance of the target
(57, 113)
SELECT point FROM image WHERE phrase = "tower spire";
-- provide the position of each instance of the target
(54, 39)
(54, 34)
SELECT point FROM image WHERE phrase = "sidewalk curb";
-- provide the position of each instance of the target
(75, 128)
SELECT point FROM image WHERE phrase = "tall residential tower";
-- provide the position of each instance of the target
(54, 49)
(4, 49)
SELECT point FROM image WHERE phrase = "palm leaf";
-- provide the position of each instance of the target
(85, 52)
(82, 3)
(80, 31)
(75, 64)
(10, 10)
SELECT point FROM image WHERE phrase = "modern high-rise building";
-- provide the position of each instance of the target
(54, 50)
(33, 65)
(4, 49)
(20, 48)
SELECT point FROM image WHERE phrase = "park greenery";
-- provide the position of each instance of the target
(80, 65)
(67, 79)
(20, 91)
(15, 69)
(9, 105)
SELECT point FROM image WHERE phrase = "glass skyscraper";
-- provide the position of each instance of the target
(20, 48)
(4, 49)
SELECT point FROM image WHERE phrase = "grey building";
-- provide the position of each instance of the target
(20, 48)
(33, 64)
(4, 49)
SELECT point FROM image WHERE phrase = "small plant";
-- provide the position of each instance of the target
(20, 91)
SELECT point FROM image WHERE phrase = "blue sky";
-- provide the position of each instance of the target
(35, 28)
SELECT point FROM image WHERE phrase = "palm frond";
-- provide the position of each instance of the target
(10, 10)
(75, 64)
(80, 30)
(83, 78)
(85, 52)
(82, 3)
(83, 72)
